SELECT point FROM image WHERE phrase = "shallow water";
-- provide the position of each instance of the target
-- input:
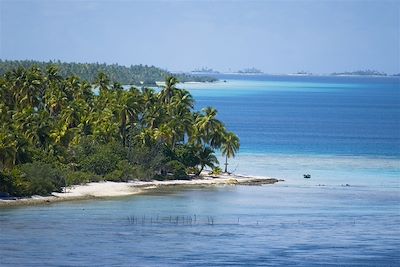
(243, 225)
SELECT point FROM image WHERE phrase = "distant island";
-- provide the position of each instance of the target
(360, 73)
(132, 75)
(205, 70)
(302, 73)
(250, 71)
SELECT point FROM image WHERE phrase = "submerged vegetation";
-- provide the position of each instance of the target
(56, 131)
(133, 75)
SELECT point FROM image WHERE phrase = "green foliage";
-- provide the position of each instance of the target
(6, 183)
(206, 157)
(186, 154)
(177, 170)
(123, 173)
(103, 160)
(216, 171)
(79, 177)
(55, 129)
(32, 179)
(229, 147)
(149, 161)
(43, 177)
(20, 185)
(134, 74)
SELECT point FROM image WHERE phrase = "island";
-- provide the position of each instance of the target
(250, 71)
(57, 133)
(139, 75)
(205, 70)
(302, 73)
(360, 73)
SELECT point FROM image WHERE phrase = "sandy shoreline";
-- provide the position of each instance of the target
(116, 189)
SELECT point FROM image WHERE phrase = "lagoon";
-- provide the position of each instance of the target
(251, 226)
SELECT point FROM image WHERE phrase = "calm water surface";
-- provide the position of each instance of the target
(341, 130)
(248, 226)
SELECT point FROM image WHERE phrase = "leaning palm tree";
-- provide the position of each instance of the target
(229, 147)
(206, 157)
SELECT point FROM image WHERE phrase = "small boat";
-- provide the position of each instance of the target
(307, 176)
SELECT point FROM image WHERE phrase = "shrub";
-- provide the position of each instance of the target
(216, 171)
(6, 183)
(79, 177)
(114, 176)
(148, 162)
(192, 170)
(99, 163)
(142, 173)
(123, 172)
(177, 169)
(37, 178)
(103, 160)
(186, 154)
(20, 185)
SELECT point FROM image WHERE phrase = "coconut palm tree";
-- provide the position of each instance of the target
(103, 83)
(8, 150)
(229, 147)
(208, 128)
(169, 89)
(206, 157)
(130, 108)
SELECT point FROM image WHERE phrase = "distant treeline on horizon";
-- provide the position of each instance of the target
(253, 70)
(362, 72)
(132, 75)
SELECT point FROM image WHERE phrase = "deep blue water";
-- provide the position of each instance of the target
(303, 115)
(341, 130)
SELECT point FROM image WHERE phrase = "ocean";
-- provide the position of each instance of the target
(338, 129)
(343, 131)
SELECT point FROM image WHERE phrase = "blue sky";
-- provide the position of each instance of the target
(274, 36)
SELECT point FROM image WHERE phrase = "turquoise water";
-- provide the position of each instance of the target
(340, 130)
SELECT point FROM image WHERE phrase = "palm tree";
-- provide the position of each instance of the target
(169, 89)
(229, 147)
(44, 113)
(165, 134)
(208, 128)
(102, 82)
(206, 157)
(130, 106)
(8, 149)
(179, 112)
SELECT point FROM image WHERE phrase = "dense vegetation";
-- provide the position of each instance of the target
(133, 75)
(56, 131)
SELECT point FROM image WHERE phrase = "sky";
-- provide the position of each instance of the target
(273, 36)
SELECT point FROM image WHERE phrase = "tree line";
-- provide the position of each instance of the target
(132, 75)
(56, 131)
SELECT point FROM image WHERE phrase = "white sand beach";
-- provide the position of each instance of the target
(115, 189)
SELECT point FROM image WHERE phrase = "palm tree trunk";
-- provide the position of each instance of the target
(200, 170)
(226, 163)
